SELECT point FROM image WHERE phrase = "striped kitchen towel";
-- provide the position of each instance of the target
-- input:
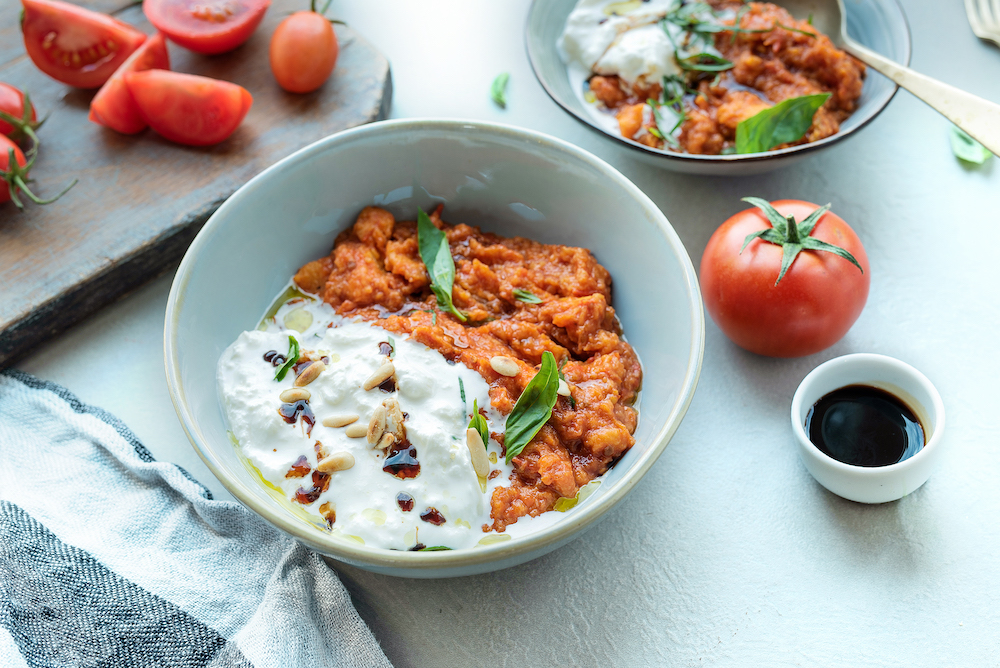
(110, 558)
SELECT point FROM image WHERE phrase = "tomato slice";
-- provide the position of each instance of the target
(113, 105)
(75, 45)
(186, 108)
(206, 26)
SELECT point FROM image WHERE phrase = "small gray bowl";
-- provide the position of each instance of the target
(506, 180)
(878, 24)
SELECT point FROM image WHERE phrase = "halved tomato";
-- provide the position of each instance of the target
(206, 26)
(113, 105)
(186, 108)
(75, 45)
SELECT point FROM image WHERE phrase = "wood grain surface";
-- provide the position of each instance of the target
(140, 200)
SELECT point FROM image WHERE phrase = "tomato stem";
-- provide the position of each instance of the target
(16, 177)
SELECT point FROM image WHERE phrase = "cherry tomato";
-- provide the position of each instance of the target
(206, 26)
(303, 52)
(12, 104)
(14, 172)
(75, 45)
(188, 109)
(810, 308)
(113, 105)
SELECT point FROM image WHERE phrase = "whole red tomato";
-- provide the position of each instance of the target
(206, 26)
(14, 167)
(12, 104)
(75, 45)
(303, 52)
(186, 108)
(113, 105)
(816, 300)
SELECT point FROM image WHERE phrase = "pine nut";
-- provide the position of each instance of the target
(377, 425)
(338, 461)
(480, 461)
(339, 420)
(356, 431)
(563, 390)
(394, 417)
(310, 373)
(294, 394)
(381, 375)
(387, 440)
(504, 366)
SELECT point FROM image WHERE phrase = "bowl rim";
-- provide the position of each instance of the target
(858, 362)
(382, 558)
(744, 158)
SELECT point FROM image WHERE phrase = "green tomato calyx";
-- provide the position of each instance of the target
(793, 237)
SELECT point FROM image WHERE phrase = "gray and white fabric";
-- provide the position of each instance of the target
(110, 558)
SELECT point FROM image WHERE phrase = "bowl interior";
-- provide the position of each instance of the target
(877, 24)
(509, 181)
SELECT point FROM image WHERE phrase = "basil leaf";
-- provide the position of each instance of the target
(785, 122)
(704, 62)
(434, 548)
(966, 148)
(498, 91)
(525, 296)
(436, 255)
(290, 360)
(478, 422)
(533, 408)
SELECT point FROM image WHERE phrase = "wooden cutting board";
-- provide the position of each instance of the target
(140, 200)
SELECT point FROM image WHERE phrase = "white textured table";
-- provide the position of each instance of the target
(728, 553)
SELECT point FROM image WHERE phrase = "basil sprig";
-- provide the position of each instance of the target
(793, 237)
(498, 90)
(436, 255)
(478, 422)
(966, 148)
(526, 297)
(290, 360)
(785, 122)
(533, 407)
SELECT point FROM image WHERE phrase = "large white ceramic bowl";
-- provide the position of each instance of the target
(504, 179)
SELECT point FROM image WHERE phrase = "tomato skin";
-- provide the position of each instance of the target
(206, 26)
(12, 102)
(188, 109)
(113, 105)
(74, 55)
(5, 146)
(813, 306)
(303, 52)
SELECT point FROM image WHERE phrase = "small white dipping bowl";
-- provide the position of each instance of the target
(875, 484)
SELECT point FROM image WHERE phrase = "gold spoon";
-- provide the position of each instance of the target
(978, 117)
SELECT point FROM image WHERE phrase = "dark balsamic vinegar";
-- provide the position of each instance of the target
(864, 426)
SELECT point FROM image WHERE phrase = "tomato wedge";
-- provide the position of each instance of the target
(186, 108)
(75, 45)
(206, 26)
(113, 105)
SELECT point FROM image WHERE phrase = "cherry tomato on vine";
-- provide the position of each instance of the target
(17, 115)
(782, 306)
(206, 26)
(14, 167)
(113, 105)
(303, 51)
(75, 45)
(186, 108)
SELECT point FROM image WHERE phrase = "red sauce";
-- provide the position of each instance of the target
(401, 460)
(404, 501)
(433, 515)
(320, 483)
(388, 385)
(274, 357)
(300, 468)
(291, 412)
(385, 348)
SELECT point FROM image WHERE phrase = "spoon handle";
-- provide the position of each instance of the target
(978, 117)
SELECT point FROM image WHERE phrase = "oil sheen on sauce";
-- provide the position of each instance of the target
(864, 426)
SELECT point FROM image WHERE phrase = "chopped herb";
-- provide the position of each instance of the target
(691, 29)
(478, 422)
(785, 122)
(966, 148)
(810, 19)
(392, 347)
(498, 91)
(525, 296)
(461, 389)
(437, 258)
(290, 360)
(789, 28)
(533, 408)
(434, 548)
(665, 130)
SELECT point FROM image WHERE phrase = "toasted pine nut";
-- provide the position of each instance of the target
(393, 417)
(563, 390)
(381, 374)
(356, 431)
(387, 440)
(294, 394)
(480, 461)
(338, 461)
(377, 425)
(339, 420)
(310, 373)
(504, 366)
